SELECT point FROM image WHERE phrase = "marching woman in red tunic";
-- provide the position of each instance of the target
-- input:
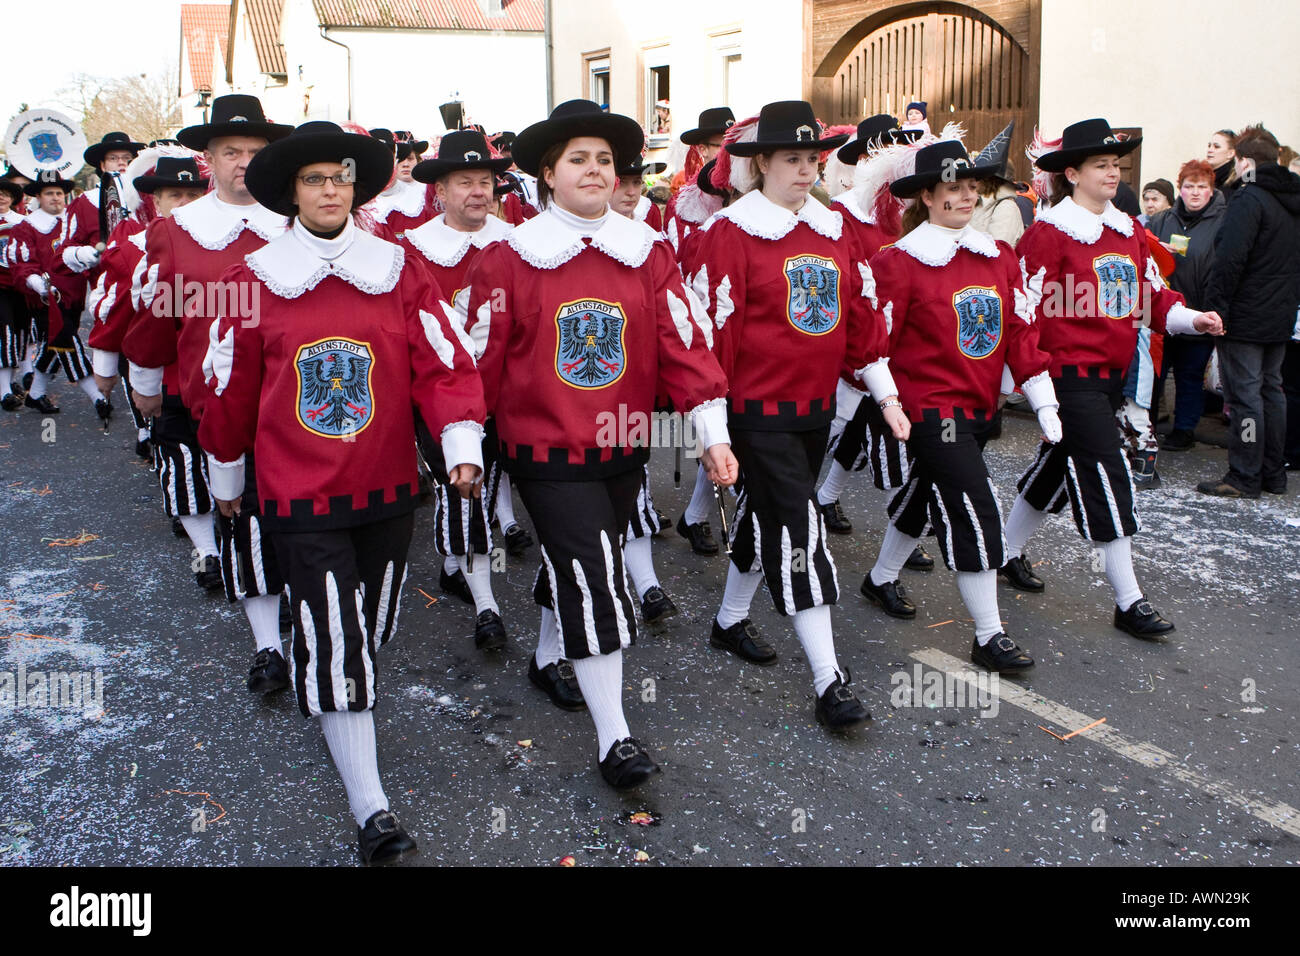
(322, 385)
(1093, 282)
(585, 319)
(956, 311)
(15, 318)
(775, 267)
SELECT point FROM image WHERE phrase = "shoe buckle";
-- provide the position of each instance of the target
(1144, 608)
(843, 694)
(626, 750)
(1004, 643)
(385, 822)
(565, 670)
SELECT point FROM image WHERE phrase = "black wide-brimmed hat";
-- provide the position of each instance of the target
(705, 180)
(94, 155)
(874, 131)
(408, 144)
(787, 124)
(504, 141)
(641, 168)
(271, 172)
(236, 114)
(461, 149)
(1092, 137)
(945, 161)
(15, 190)
(578, 118)
(164, 142)
(712, 122)
(45, 180)
(998, 150)
(181, 171)
(505, 183)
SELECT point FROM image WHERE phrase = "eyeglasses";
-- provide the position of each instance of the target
(318, 179)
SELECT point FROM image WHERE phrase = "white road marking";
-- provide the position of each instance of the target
(1281, 815)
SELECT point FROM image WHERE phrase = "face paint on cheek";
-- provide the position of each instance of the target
(947, 207)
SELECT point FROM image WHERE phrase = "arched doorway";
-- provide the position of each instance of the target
(969, 67)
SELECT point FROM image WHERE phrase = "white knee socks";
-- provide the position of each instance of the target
(979, 589)
(450, 565)
(813, 625)
(480, 581)
(833, 486)
(1022, 523)
(548, 640)
(6, 379)
(40, 382)
(202, 535)
(505, 505)
(701, 505)
(640, 565)
(894, 552)
(92, 391)
(351, 739)
(264, 618)
(739, 594)
(1117, 556)
(601, 681)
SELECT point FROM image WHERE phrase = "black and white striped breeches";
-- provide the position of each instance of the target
(950, 493)
(248, 561)
(580, 528)
(182, 466)
(868, 440)
(1087, 467)
(778, 527)
(344, 590)
(67, 350)
(455, 519)
(645, 520)
(15, 328)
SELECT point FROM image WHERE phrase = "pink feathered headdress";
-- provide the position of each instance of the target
(728, 174)
(1042, 180)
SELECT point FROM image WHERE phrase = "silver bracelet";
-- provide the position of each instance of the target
(890, 403)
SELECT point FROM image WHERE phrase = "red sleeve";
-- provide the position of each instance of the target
(1040, 262)
(490, 316)
(445, 386)
(654, 218)
(868, 341)
(232, 372)
(1163, 298)
(893, 292)
(1023, 356)
(688, 372)
(720, 272)
(22, 256)
(150, 342)
(87, 225)
(109, 302)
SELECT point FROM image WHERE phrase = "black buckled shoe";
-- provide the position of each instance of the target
(1020, 575)
(144, 449)
(1144, 621)
(209, 578)
(918, 560)
(178, 529)
(104, 409)
(656, 606)
(11, 402)
(833, 515)
(489, 632)
(699, 535)
(517, 541)
(269, 672)
(838, 708)
(558, 682)
(743, 640)
(1000, 654)
(891, 597)
(382, 840)
(664, 522)
(455, 584)
(627, 765)
(42, 405)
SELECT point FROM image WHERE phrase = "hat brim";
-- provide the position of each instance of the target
(406, 149)
(198, 137)
(696, 137)
(38, 186)
(754, 148)
(148, 184)
(1058, 161)
(432, 170)
(909, 187)
(15, 190)
(94, 155)
(271, 172)
(621, 132)
(643, 169)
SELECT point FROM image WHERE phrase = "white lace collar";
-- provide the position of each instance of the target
(42, 221)
(445, 246)
(936, 245)
(406, 198)
(297, 261)
(764, 219)
(642, 209)
(215, 224)
(1078, 223)
(13, 217)
(545, 242)
(849, 200)
(92, 196)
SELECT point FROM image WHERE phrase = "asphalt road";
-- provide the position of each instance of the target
(1195, 763)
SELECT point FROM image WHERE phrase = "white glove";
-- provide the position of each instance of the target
(38, 284)
(80, 258)
(1050, 423)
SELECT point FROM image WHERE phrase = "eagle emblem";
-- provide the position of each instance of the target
(979, 321)
(334, 396)
(1117, 285)
(589, 346)
(46, 147)
(813, 293)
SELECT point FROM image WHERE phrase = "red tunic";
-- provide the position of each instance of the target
(578, 334)
(516, 211)
(779, 289)
(321, 388)
(7, 223)
(448, 253)
(36, 248)
(410, 205)
(1091, 280)
(113, 300)
(647, 211)
(956, 311)
(197, 244)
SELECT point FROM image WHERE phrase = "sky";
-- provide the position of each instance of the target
(140, 36)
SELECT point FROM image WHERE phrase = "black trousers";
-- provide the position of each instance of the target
(67, 350)
(868, 440)
(344, 590)
(1291, 385)
(1087, 467)
(778, 525)
(1252, 387)
(949, 491)
(580, 528)
(248, 563)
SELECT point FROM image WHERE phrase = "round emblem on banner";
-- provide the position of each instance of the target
(44, 140)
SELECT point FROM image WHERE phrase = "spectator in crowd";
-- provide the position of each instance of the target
(1220, 153)
(1126, 200)
(1291, 384)
(1187, 231)
(998, 211)
(1157, 196)
(1255, 286)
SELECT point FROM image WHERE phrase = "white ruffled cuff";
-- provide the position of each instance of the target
(878, 379)
(75, 262)
(226, 478)
(1008, 381)
(1039, 392)
(104, 363)
(146, 381)
(709, 420)
(1180, 321)
(847, 400)
(462, 444)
